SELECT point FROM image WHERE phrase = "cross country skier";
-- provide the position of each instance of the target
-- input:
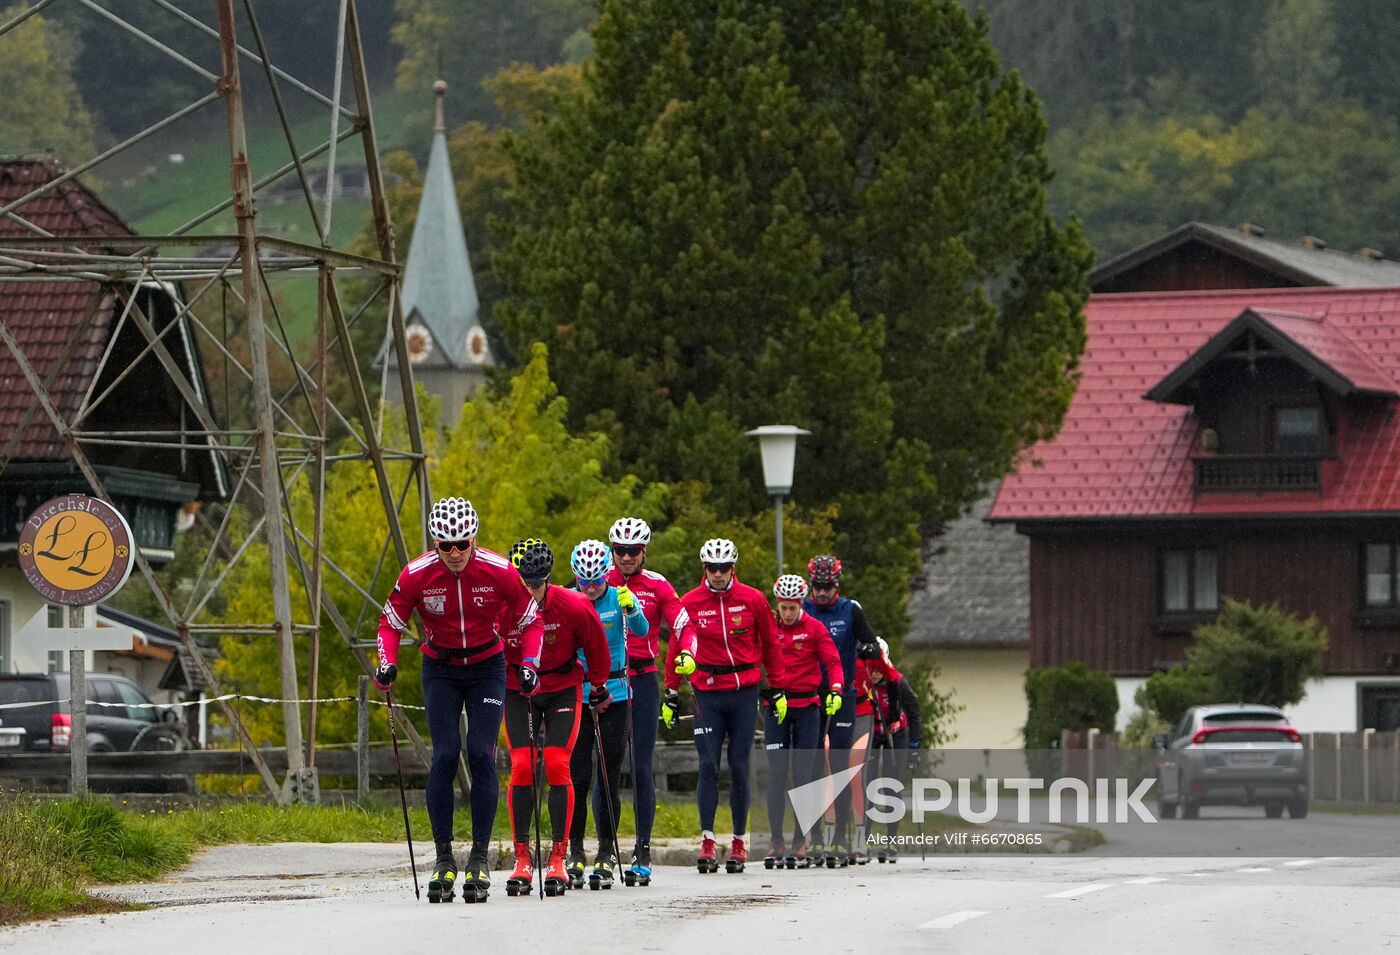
(872, 665)
(608, 720)
(845, 620)
(571, 628)
(733, 628)
(807, 649)
(466, 597)
(898, 730)
(630, 537)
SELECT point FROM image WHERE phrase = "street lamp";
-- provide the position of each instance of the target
(778, 445)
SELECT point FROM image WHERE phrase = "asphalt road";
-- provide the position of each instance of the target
(359, 898)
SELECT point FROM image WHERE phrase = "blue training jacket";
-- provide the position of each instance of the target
(839, 620)
(617, 626)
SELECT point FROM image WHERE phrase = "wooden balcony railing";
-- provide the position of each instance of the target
(1257, 473)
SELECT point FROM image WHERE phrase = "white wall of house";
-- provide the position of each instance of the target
(19, 602)
(1331, 706)
(991, 685)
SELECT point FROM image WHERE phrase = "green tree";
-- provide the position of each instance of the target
(1071, 697)
(1169, 694)
(1295, 60)
(1259, 654)
(41, 109)
(751, 208)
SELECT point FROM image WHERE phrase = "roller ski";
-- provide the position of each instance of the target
(639, 872)
(602, 875)
(775, 856)
(837, 857)
(556, 879)
(476, 879)
(738, 855)
(576, 866)
(797, 859)
(858, 854)
(441, 885)
(522, 879)
(707, 862)
(816, 857)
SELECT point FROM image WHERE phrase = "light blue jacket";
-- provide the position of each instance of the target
(617, 625)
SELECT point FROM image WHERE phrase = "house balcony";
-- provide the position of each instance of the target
(1257, 473)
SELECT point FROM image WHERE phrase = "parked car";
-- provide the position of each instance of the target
(1237, 753)
(123, 728)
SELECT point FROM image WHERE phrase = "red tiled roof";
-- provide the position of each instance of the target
(1121, 455)
(44, 316)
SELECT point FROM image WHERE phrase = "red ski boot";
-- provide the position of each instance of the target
(524, 874)
(738, 855)
(556, 880)
(707, 861)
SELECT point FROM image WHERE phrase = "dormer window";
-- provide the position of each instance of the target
(1298, 431)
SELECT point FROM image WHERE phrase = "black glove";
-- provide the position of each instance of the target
(868, 651)
(599, 698)
(529, 681)
(385, 676)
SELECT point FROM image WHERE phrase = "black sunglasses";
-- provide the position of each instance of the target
(824, 586)
(535, 581)
(461, 547)
(719, 568)
(627, 550)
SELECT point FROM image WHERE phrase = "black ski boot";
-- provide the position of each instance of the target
(578, 862)
(639, 872)
(603, 869)
(476, 879)
(444, 877)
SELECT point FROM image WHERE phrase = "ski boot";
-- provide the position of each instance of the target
(738, 855)
(859, 855)
(577, 863)
(707, 861)
(880, 856)
(836, 855)
(556, 880)
(774, 858)
(639, 872)
(816, 856)
(891, 855)
(602, 875)
(444, 877)
(524, 875)
(797, 859)
(476, 879)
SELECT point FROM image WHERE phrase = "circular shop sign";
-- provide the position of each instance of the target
(76, 550)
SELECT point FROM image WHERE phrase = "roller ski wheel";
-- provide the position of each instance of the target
(576, 867)
(476, 879)
(816, 858)
(738, 855)
(556, 879)
(707, 863)
(892, 856)
(880, 857)
(602, 875)
(442, 883)
(774, 858)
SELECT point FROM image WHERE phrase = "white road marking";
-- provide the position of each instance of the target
(1200, 875)
(948, 921)
(1080, 890)
(1148, 880)
(1254, 869)
(1302, 862)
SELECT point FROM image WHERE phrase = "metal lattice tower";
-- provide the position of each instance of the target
(286, 439)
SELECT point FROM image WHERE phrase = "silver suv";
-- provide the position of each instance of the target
(1237, 753)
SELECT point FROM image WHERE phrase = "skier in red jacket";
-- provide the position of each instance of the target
(570, 627)
(467, 597)
(807, 649)
(733, 629)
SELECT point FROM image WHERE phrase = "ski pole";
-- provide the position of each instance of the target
(607, 790)
(403, 796)
(632, 758)
(535, 787)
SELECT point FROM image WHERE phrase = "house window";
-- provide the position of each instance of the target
(58, 659)
(1378, 574)
(1189, 580)
(1298, 431)
(1380, 708)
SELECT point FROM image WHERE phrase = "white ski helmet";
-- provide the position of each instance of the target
(630, 530)
(590, 560)
(884, 648)
(453, 519)
(718, 550)
(790, 587)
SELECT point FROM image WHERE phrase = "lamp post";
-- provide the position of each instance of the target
(778, 445)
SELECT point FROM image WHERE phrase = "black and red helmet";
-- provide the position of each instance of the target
(824, 569)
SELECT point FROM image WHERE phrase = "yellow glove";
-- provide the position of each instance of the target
(780, 705)
(626, 600)
(669, 707)
(685, 663)
(833, 701)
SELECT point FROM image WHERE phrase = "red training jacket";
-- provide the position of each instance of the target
(865, 688)
(659, 603)
(468, 611)
(807, 647)
(570, 625)
(732, 629)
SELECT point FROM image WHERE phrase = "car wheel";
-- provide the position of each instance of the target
(1273, 810)
(1298, 809)
(1190, 810)
(1165, 809)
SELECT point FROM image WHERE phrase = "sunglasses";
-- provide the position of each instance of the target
(460, 547)
(535, 581)
(596, 582)
(627, 550)
(719, 568)
(823, 586)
